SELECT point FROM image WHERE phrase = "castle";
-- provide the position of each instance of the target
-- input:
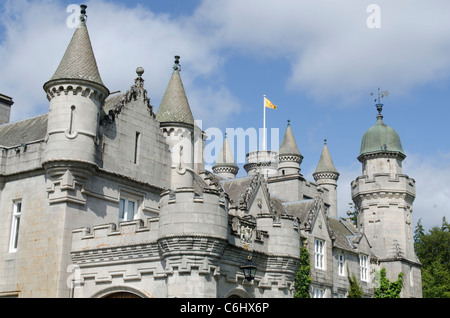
(105, 196)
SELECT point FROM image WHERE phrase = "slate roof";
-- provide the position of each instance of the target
(225, 157)
(174, 106)
(288, 144)
(325, 162)
(342, 233)
(79, 61)
(236, 187)
(299, 209)
(24, 131)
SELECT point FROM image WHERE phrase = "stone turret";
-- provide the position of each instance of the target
(326, 176)
(289, 157)
(225, 165)
(383, 197)
(177, 125)
(76, 93)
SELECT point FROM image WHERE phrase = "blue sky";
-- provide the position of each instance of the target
(318, 61)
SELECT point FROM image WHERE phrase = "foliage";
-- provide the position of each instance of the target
(388, 289)
(352, 214)
(302, 277)
(355, 291)
(433, 251)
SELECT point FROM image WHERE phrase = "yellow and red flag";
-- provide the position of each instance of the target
(268, 104)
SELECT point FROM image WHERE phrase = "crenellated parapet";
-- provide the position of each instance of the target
(182, 211)
(383, 186)
(109, 243)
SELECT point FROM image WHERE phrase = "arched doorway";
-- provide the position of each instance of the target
(122, 294)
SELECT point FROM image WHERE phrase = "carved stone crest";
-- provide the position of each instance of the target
(246, 235)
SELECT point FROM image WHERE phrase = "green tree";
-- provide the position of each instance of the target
(355, 291)
(302, 276)
(352, 214)
(386, 288)
(433, 251)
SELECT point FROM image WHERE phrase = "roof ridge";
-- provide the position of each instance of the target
(21, 120)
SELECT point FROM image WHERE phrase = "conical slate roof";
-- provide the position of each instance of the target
(288, 144)
(325, 164)
(225, 157)
(79, 61)
(174, 106)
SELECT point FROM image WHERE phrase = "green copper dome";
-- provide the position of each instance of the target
(381, 138)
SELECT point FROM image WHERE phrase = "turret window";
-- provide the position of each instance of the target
(341, 264)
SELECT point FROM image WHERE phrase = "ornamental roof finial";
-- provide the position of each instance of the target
(83, 15)
(381, 94)
(176, 66)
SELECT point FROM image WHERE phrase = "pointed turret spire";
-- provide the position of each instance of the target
(325, 164)
(326, 176)
(174, 108)
(289, 157)
(225, 164)
(288, 145)
(78, 62)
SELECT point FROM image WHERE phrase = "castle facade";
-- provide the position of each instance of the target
(106, 196)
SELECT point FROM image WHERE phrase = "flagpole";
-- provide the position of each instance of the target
(264, 123)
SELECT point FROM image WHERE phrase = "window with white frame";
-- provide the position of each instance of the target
(319, 254)
(318, 292)
(341, 264)
(14, 238)
(364, 267)
(127, 209)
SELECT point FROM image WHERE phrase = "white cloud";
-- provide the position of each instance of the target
(431, 173)
(331, 50)
(123, 39)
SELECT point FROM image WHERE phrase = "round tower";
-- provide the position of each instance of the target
(383, 197)
(326, 176)
(289, 157)
(76, 93)
(225, 165)
(177, 124)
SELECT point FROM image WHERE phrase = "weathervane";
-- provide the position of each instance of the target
(381, 94)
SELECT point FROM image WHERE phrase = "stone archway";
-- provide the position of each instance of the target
(121, 292)
(122, 295)
(237, 293)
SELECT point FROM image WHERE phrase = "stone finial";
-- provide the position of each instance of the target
(139, 81)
